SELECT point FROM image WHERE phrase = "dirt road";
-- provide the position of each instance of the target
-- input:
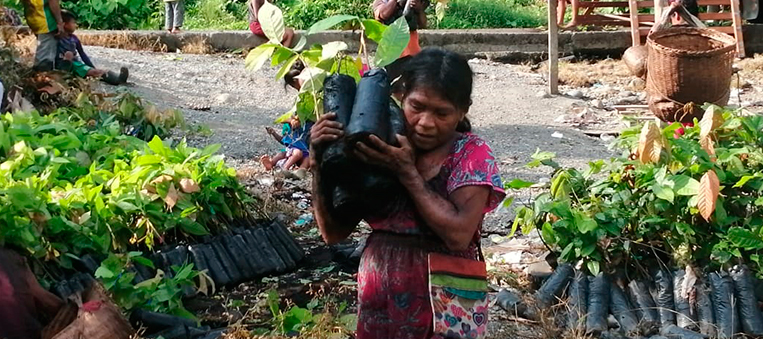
(508, 110)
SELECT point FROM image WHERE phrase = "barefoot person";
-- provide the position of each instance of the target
(452, 180)
(174, 15)
(256, 28)
(295, 138)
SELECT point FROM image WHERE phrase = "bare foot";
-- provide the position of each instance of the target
(175, 30)
(265, 161)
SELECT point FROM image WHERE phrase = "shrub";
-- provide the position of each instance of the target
(303, 13)
(217, 14)
(465, 14)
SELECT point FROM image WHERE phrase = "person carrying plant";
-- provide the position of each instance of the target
(451, 179)
(387, 11)
(44, 19)
(294, 137)
(174, 13)
(71, 56)
(254, 23)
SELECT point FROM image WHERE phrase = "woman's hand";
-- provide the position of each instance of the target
(400, 160)
(324, 131)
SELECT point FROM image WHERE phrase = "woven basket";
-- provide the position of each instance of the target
(688, 65)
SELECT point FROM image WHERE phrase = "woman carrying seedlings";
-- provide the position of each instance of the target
(451, 179)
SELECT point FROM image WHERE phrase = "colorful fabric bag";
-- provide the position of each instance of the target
(459, 296)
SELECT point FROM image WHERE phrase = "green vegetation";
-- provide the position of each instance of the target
(472, 14)
(299, 14)
(684, 195)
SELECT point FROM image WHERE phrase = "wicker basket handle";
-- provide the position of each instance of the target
(676, 8)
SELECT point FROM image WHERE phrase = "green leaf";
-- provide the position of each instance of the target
(593, 267)
(143, 261)
(565, 255)
(286, 67)
(280, 55)
(542, 158)
(560, 186)
(745, 239)
(439, 10)
(374, 29)
(157, 146)
(271, 19)
(330, 22)
(663, 192)
(584, 223)
(104, 273)
(194, 228)
(257, 57)
(518, 184)
(685, 185)
(547, 232)
(393, 42)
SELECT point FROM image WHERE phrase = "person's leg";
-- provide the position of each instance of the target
(179, 15)
(288, 37)
(269, 162)
(45, 56)
(295, 156)
(168, 16)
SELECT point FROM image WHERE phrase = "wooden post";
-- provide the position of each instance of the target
(553, 48)
(737, 24)
(635, 24)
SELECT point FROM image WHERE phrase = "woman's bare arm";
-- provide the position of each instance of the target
(455, 219)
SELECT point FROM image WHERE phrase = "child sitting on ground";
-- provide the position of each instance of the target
(295, 137)
(71, 56)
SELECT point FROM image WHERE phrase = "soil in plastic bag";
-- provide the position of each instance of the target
(598, 304)
(726, 315)
(685, 318)
(622, 310)
(664, 297)
(339, 96)
(554, 286)
(744, 290)
(397, 122)
(577, 302)
(675, 332)
(705, 310)
(644, 306)
(370, 113)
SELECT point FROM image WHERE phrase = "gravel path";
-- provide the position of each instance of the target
(508, 110)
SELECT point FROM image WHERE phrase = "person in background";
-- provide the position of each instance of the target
(254, 23)
(451, 178)
(174, 12)
(71, 56)
(44, 19)
(295, 137)
(386, 12)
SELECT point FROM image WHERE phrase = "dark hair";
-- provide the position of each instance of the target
(445, 72)
(291, 75)
(68, 16)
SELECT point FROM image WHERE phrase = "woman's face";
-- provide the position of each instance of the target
(431, 118)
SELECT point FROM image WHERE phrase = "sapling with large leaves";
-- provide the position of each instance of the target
(322, 61)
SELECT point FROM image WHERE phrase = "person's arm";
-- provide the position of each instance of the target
(81, 52)
(421, 17)
(455, 219)
(55, 9)
(384, 9)
(332, 230)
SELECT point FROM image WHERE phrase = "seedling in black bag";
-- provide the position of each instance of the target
(370, 112)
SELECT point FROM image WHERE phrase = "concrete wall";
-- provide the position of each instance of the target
(500, 44)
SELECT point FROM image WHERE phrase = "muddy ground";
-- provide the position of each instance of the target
(510, 111)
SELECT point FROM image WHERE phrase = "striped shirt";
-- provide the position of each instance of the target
(39, 17)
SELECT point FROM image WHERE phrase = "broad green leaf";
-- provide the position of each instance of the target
(393, 42)
(330, 22)
(547, 231)
(271, 19)
(584, 223)
(194, 228)
(143, 261)
(157, 146)
(542, 158)
(685, 185)
(103, 273)
(745, 239)
(280, 55)
(301, 43)
(257, 57)
(126, 206)
(286, 67)
(312, 79)
(593, 267)
(374, 29)
(560, 186)
(331, 49)
(742, 181)
(518, 184)
(440, 9)
(663, 192)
